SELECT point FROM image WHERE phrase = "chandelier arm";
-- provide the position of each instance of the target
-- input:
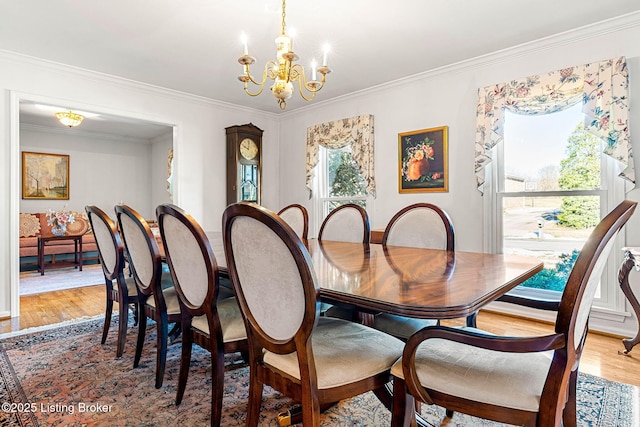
(265, 73)
(297, 73)
(246, 89)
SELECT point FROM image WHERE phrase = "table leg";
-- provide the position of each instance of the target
(41, 256)
(623, 278)
(80, 252)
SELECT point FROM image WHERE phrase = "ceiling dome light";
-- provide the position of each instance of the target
(69, 118)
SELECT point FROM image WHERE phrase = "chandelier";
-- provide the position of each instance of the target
(69, 118)
(284, 72)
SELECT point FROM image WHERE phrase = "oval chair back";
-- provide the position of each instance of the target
(421, 225)
(111, 254)
(298, 219)
(346, 223)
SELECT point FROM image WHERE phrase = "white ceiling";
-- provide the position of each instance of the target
(193, 46)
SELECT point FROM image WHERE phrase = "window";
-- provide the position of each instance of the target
(510, 171)
(552, 186)
(340, 164)
(338, 181)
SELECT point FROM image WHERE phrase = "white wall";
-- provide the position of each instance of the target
(448, 97)
(199, 141)
(103, 171)
(440, 97)
(159, 163)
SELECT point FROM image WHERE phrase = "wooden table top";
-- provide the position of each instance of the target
(414, 282)
(425, 283)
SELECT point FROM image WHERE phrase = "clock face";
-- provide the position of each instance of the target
(248, 149)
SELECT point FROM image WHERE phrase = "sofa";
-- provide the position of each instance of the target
(33, 225)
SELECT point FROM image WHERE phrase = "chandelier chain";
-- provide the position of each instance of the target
(284, 14)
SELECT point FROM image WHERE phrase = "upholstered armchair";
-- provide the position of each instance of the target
(529, 381)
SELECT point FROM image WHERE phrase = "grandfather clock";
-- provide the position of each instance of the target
(244, 163)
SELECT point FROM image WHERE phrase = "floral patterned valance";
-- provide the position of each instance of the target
(602, 87)
(354, 131)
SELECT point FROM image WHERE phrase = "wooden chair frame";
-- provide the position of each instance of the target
(152, 288)
(113, 271)
(213, 342)
(558, 400)
(303, 390)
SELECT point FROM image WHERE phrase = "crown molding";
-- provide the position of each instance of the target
(82, 133)
(133, 85)
(623, 22)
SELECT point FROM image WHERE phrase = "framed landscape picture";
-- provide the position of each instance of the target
(423, 161)
(45, 176)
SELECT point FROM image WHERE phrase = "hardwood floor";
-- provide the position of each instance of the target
(600, 356)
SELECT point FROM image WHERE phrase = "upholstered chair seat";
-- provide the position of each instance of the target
(170, 299)
(512, 380)
(230, 321)
(130, 282)
(344, 352)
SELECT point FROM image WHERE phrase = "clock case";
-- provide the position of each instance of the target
(237, 164)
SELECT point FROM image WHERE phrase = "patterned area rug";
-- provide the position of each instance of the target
(64, 377)
(31, 282)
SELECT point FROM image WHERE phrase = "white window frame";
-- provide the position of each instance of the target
(611, 303)
(321, 194)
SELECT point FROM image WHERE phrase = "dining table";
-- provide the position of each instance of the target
(412, 282)
(406, 281)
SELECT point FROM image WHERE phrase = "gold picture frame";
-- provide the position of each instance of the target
(45, 176)
(423, 161)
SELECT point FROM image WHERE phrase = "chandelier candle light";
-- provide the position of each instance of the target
(284, 71)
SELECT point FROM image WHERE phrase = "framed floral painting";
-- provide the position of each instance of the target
(423, 161)
(45, 176)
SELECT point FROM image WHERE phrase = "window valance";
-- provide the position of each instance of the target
(354, 131)
(602, 87)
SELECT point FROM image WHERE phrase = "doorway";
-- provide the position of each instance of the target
(121, 142)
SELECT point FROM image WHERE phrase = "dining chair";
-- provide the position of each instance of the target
(157, 297)
(213, 324)
(529, 381)
(420, 225)
(298, 218)
(314, 360)
(346, 223)
(111, 254)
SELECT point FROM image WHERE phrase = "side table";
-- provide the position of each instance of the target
(77, 251)
(631, 261)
